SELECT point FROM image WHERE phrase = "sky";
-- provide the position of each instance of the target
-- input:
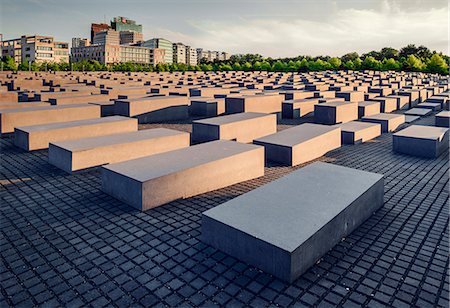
(273, 28)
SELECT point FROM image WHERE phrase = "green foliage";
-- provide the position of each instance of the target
(9, 64)
(413, 64)
(436, 64)
(335, 63)
(390, 65)
(371, 63)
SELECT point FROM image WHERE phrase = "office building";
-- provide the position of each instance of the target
(130, 37)
(80, 42)
(179, 53)
(105, 53)
(135, 54)
(107, 37)
(36, 48)
(163, 44)
(124, 24)
(95, 28)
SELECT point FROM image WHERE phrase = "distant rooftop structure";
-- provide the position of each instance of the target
(121, 23)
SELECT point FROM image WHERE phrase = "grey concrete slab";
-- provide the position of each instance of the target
(442, 119)
(285, 226)
(74, 155)
(152, 181)
(419, 140)
(301, 143)
(418, 111)
(241, 127)
(388, 121)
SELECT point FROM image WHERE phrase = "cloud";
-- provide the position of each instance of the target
(335, 33)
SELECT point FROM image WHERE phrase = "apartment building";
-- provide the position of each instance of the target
(161, 43)
(210, 56)
(36, 48)
(157, 56)
(179, 53)
(191, 56)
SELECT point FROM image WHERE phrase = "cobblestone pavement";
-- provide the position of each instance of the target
(66, 243)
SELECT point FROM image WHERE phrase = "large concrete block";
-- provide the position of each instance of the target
(335, 112)
(418, 112)
(300, 144)
(424, 141)
(293, 109)
(152, 181)
(84, 153)
(15, 117)
(388, 104)
(264, 103)
(367, 108)
(241, 127)
(78, 99)
(431, 106)
(285, 226)
(207, 107)
(402, 101)
(442, 119)
(356, 132)
(38, 137)
(351, 96)
(389, 122)
(154, 109)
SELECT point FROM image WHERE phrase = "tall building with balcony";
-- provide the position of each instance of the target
(36, 48)
(179, 53)
(191, 56)
(80, 42)
(162, 44)
(107, 37)
(124, 24)
(95, 28)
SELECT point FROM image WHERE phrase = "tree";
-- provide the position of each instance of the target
(265, 66)
(413, 64)
(257, 66)
(358, 63)
(349, 57)
(237, 66)
(436, 64)
(390, 65)
(371, 63)
(408, 50)
(335, 63)
(279, 66)
(9, 64)
(349, 65)
(247, 66)
(388, 53)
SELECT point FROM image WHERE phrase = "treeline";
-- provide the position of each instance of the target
(409, 58)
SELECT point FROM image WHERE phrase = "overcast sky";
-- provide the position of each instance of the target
(276, 28)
